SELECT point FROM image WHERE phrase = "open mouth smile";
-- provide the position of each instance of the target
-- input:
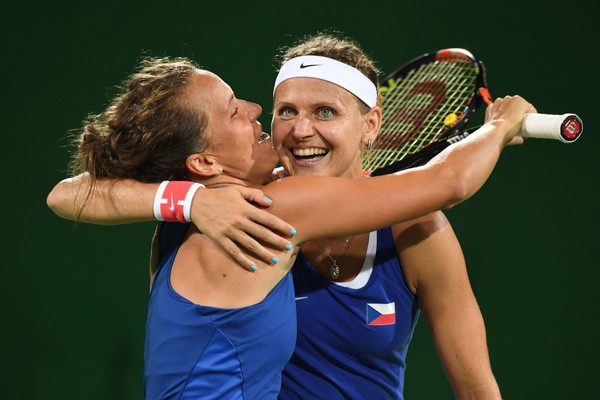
(309, 153)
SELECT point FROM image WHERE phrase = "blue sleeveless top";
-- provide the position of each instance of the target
(352, 338)
(198, 352)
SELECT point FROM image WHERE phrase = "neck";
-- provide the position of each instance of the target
(353, 173)
(225, 180)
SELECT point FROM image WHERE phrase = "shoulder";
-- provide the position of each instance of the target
(422, 227)
(428, 249)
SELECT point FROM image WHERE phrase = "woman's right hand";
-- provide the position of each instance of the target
(232, 218)
(510, 110)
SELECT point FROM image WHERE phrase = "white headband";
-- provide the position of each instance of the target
(332, 71)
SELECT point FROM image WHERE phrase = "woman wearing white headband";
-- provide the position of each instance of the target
(360, 296)
(314, 120)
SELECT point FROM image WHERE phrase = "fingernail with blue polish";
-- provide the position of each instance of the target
(288, 246)
(268, 199)
(275, 260)
(253, 268)
(293, 232)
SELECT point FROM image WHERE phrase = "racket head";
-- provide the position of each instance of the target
(428, 100)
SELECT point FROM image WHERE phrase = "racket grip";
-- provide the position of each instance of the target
(566, 127)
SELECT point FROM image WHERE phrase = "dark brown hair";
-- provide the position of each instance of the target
(147, 131)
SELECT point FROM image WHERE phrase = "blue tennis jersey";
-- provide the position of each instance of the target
(352, 339)
(198, 352)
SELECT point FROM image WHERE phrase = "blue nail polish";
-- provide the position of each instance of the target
(253, 268)
(288, 246)
(268, 199)
(293, 232)
(275, 260)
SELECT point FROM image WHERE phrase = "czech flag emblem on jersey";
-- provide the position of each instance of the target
(381, 314)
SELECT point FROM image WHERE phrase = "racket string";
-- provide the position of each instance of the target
(415, 110)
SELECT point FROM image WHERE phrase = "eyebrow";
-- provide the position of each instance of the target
(315, 105)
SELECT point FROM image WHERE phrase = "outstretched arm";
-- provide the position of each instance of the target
(320, 206)
(226, 215)
(110, 202)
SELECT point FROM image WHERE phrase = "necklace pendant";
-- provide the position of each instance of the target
(334, 271)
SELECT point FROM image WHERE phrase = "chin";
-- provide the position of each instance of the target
(308, 171)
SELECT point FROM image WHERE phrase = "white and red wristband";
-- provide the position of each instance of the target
(173, 200)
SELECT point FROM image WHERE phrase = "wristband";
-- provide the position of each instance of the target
(173, 201)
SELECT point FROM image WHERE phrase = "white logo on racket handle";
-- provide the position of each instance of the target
(566, 127)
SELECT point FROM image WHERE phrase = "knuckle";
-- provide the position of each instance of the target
(238, 221)
(263, 234)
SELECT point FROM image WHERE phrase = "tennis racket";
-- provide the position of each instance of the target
(428, 103)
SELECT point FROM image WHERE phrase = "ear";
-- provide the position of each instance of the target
(204, 166)
(372, 124)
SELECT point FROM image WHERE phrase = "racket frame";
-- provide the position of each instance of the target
(455, 132)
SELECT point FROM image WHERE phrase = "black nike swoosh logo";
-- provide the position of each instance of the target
(308, 65)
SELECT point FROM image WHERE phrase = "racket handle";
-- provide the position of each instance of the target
(566, 127)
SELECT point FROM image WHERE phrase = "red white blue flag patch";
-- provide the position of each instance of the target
(381, 314)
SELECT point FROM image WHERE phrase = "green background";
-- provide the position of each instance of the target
(74, 299)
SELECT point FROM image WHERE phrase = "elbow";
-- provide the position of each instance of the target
(53, 198)
(60, 201)
(459, 187)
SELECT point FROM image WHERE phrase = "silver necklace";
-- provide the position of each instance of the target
(334, 270)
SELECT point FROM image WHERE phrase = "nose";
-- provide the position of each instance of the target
(254, 110)
(302, 128)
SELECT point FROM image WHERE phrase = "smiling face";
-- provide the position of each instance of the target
(236, 141)
(319, 128)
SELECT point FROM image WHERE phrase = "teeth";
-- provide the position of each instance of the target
(264, 136)
(309, 152)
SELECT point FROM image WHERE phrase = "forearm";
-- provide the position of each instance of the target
(471, 161)
(462, 347)
(468, 164)
(483, 391)
(110, 202)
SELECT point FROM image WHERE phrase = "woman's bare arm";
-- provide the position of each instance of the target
(435, 270)
(109, 202)
(329, 207)
(232, 217)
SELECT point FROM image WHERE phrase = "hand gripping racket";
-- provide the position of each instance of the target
(428, 103)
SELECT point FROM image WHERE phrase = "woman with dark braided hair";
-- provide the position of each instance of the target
(214, 330)
(131, 129)
(130, 133)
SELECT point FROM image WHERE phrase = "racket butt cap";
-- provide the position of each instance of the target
(566, 127)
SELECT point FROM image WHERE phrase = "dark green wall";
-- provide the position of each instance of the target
(73, 299)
